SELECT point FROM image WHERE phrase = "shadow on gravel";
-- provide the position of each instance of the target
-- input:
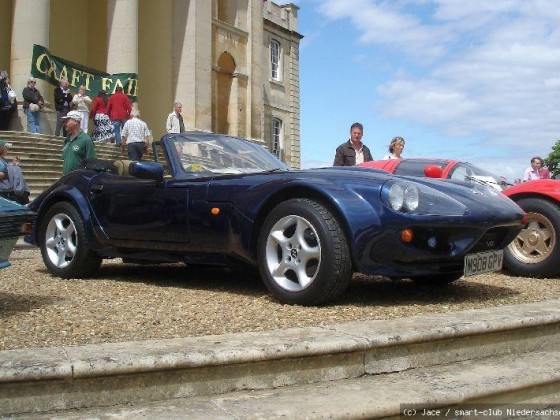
(380, 291)
(186, 277)
(11, 303)
(363, 291)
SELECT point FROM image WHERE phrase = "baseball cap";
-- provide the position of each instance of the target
(75, 115)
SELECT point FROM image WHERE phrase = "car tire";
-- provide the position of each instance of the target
(535, 252)
(303, 253)
(64, 245)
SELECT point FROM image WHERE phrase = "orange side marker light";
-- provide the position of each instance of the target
(407, 235)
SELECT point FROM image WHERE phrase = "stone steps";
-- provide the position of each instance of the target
(501, 385)
(502, 355)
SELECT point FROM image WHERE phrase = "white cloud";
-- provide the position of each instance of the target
(475, 68)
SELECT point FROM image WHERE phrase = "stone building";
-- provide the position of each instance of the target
(234, 64)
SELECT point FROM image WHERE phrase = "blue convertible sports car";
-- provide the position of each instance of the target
(219, 200)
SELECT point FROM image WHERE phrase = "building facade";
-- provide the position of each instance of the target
(233, 64)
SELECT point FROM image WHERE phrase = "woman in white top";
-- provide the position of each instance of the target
(395, 149)
(81, 104)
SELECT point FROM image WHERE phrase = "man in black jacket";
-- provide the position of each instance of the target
(62, 102)
(353, 151)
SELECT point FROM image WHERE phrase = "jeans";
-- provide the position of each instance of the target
(33, 123)
(136, 150)
(117, 125)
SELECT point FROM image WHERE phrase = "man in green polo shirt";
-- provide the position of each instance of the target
(78, 146)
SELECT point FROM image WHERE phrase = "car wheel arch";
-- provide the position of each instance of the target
(303, 192)
(534, 195)
(79, 203)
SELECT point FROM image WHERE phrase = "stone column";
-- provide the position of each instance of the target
(192, 61)
(122, 36)
(30, 26)
(5, 34)
(257, 59)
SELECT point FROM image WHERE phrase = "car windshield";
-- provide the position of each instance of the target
(220, 154)
(467, 172)
(462, 171)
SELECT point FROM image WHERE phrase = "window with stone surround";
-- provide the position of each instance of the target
(275, 59)
(277, 134)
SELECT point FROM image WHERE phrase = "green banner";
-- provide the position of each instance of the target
(48, 67)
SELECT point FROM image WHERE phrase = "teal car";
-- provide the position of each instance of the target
(15, 221)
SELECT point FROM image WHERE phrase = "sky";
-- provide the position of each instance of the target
(475, 80)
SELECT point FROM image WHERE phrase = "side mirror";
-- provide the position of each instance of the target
(433, 171)
(147, 170)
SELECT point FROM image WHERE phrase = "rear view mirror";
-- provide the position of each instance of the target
(433, 171)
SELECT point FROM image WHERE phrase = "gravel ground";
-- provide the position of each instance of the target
(126, 302)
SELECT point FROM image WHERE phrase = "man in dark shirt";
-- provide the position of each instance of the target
(353, 152)
(62, 103)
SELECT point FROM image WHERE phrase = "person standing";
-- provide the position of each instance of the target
(78, 146)
(102, 127)
(32, 102)
(396, 148)
(353, 152)
(62, 103)
(536, 170)
(175, 122)
(12, 183)
(8, 102)
(118, 109)
(81, 103)
(135, 136)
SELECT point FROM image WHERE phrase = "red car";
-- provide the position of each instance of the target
(437, 168)
(535, 252)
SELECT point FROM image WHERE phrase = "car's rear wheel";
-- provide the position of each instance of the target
(303, 254)
(64, 245)
(535, 252)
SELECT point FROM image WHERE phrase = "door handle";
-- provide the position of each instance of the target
(97, 188)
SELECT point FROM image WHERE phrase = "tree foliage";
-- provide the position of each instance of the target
(552, 161)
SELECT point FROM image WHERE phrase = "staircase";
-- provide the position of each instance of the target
(505, 357)
(41, 157)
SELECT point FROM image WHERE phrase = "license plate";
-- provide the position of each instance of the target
(483, 262)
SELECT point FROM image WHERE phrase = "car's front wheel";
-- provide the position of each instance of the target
(64, 245)
(303, 254)
(535, 252)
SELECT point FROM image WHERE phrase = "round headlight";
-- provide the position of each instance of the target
(411, 198)
(396, 196)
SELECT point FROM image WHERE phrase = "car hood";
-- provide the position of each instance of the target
(343, 183)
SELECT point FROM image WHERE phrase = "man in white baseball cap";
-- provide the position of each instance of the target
(78, 146)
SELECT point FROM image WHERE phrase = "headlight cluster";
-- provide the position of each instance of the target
(416, 198)
(404, 197)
